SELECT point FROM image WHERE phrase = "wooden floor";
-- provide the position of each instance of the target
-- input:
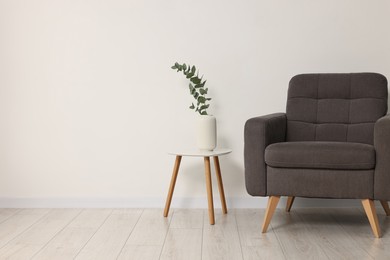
(185, 234)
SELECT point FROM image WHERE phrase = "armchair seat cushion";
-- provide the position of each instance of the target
(321, 155)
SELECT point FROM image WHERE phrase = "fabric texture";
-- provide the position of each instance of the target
(333, 141)
(335, 107)
(382, 168)
(320, 183)
(259, 132)
(321, 155)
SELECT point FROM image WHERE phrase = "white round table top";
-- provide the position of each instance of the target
(202, 153)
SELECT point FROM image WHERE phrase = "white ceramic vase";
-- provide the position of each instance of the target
(206, 132)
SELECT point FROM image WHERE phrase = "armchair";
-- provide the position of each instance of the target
(332, 142)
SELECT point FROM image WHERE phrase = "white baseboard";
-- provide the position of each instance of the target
(238, 202)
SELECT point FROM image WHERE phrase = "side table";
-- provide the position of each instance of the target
(206, 155)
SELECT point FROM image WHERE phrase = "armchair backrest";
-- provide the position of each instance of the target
(335, 107)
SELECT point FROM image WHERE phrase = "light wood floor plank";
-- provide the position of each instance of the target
(137, 252)
(187, 218)
(147, 239)
(19, 223)
(335, 241)
(296, 239)
(255, 244)
(257, 253)
(7, 213)
(183, 243)
(186, 234)
(68, 243)
(221, 241)
(26, 245)
(355, 222)
(151, 229)
(108, 241)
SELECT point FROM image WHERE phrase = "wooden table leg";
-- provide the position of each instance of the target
(369, 208)
(272, 203)
(172, 185)
(220, 184)
(290, 201)
(209, 189)
(385, 207)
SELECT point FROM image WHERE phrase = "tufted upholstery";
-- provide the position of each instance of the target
(335, 107)
(332, 142)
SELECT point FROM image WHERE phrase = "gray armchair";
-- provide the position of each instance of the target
(332, 142)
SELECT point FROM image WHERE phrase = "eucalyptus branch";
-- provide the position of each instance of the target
(196, 87)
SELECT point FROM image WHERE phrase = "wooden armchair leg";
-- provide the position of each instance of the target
(290, 201)
(272, 203)
(385, 207)
(369, 208)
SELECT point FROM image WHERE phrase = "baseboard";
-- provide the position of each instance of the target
(235, 202)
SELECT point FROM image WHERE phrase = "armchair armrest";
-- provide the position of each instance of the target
(260, 132)
(382, 166)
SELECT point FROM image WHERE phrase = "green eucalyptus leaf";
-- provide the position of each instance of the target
(202, 99)
(192, 89)
(201, 85)
(204, 107)
(194, 84)
(195, 80)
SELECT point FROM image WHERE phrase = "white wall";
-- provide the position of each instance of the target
(89, 105)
